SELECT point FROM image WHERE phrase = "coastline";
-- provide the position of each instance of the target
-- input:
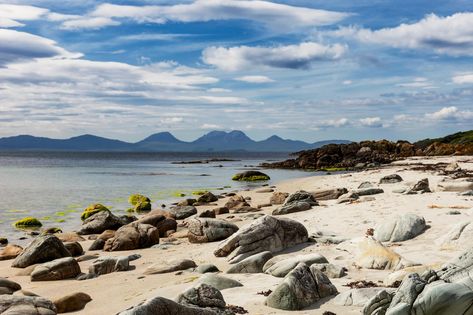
(115, 292)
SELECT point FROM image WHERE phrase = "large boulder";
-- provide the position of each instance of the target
(183, 212)
(74, 248)
(356, 297)
(203, 230)
(207, 198)
(458, 236)
(458, 185)
(329, 194)
(236, 202)
(170, 266)
(278, 198)
(219, 282)
(298, 201)
(252, 264)
(203, 295)
(160, 305)
(58, 269)
(280, 267)
(264, 234)
(390, 179)
(99, 243)
(105, 265)
(8, 286)
(42, 249)
(26, 305)
(400, 229)
(72, 302)
(133, 236)
(99, 222)
(10, 252)
(161, 222)
(374, 255)
(302, 287)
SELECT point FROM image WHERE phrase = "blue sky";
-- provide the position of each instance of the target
(301, 69)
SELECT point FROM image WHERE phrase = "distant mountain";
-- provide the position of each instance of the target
(214, 141)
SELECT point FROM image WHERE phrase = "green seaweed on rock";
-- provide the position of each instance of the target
(92, 209)
(28, 222)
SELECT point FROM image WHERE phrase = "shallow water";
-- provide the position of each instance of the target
(56, 186)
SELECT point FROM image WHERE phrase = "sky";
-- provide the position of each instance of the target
(301, 69)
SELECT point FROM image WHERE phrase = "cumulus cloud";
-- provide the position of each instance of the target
(463, 78)
(11, 14)
(374, 122)
(254, 79)
(271, 14)
(300, 56)
(17, 46)
(449, 35)
(340, 122)
(450, 113)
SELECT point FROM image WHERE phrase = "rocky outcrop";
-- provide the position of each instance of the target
(400, 229)
(204, 230)
(99, 222)
(26, 305)
(298, 201)
(133, 236)
(264, 234)
(58, 269)
(251, 176)
(42, 249)
(302, 287)
(280, 267)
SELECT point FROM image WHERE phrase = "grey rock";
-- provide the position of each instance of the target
(280, 267)
(160, 305)
(203, 296)
(278, 198)
(357, 297)
(205, 268)
(330, 270)
(459, 236)
(207, 198)
(365, 185)
(457, 185)
(302, 195)
(203, 230)
(8, 286)
(302, 287)
(170, 266)
(133, 236)
(58, 269)
(219, 282)
(99, 222)
(400, 229)
(390, 179)
(42, 249)
(252, 264)
(298, 201)
(264, 234)
(322, 237)
(367, 192)
(210, 213)
(183, 212)
(26, 305)
(421, 187)
(329, 194)
(74, 248)
(467, 193)
(105, 265)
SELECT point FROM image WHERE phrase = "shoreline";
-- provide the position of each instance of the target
(349, 220)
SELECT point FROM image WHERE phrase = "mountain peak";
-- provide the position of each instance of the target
(162, 137)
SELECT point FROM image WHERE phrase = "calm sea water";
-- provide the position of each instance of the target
(56, 187)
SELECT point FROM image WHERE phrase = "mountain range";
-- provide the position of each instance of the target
(214, 141)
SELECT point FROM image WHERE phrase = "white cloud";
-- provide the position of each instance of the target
(450, 113)
(449, 35)
(291, 56)
(333, 123)
(211, 126)
(17, 46)
(88, 23)
(347, 82)
(374, 122)
(218, 90)
(255, 79)
(152, 37)
(273, 15)
(420, 82)
(463, 78)
(10, 14)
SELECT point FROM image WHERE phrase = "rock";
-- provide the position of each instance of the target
(93, 209)
(87, 257)
(302, 287)
(278, 198)
(421, 187)
(236, 202)
(99, 222)
(299, 201)
(206, 268)
(160, 305)
(207, 214)
(133, 236)
(458, 185)
(264, 190)
(390, 179)
(219, 282)
(161, 222)
(323, 237)
(457, 237)
(187, 202)
(365, 185)
(58, 269)
(252, 264)
(245, 210)
(331, 271)
(170, 266)
(401, 228)
(183, 212)
(10, 252)
(74, 248)
(99, 243)
(251, 176)
(8, 286)
(203, 230)
(3, 241)
(140, 203)
(42, 249)
(356, 297)
(28, 222)
(72, 302)
(458, 268)
(208, 197)
(378, 304)
(399, 275)
(367, 192)
(466, 193)
(202, 296)
(69, 237)
(374, 255)
(221, 210)
(26, 305)
(264, 234)
(280, 267)
(329, 194)
(105, 265)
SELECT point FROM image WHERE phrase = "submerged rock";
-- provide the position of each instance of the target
(251, 176)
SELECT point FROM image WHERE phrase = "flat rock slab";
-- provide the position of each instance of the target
(170, 266)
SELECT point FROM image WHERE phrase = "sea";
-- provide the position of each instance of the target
(55, 187)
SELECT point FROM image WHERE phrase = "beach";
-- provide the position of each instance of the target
(114, 292)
